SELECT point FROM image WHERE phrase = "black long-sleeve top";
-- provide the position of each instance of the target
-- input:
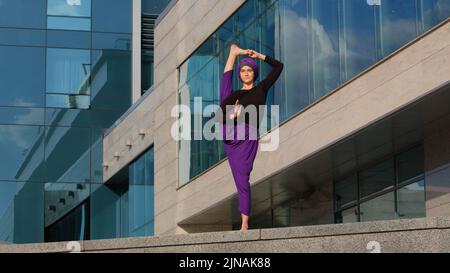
(255, 96)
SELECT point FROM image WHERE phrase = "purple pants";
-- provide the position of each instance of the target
(241, 155)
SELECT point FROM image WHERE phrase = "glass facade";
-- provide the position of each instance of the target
(391, 189)
(65, 71)
(322, 43)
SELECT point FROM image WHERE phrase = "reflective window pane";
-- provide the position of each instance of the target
(69, 39)
(379, 208)
(398, 24)
(111, 79)
(68, 23)
(104, 10)
(111, 41)
(67, 154)
(68, 71)
(81, 117)
(377, 178)
(79, 8)
(434, 12)
(21, 212)
(18, 63)
(21, 115)
(22, 153)
(357, 54)
(23, 13)
(25, 37)
(411, 200)
(65, 215)
(68, 101)
(410, 163)
(346, 191)
(106, 203)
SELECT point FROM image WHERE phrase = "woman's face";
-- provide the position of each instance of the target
(247, 74)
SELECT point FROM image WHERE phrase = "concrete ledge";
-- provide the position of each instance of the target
(412, 235)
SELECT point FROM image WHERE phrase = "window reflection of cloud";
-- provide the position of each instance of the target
(63, 8)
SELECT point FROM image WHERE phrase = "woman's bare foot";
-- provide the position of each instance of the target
(244, 225)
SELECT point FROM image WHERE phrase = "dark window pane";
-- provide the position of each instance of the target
(68, 71)
(69, 23)
(410, 164)
(21, 212)
(104, 10)
(379, 208)
(377, 178)
(346, 191)
(17, 64)
(22, 115)
(67, 154)
(81, 118)
(25, 37)
(68, 101)
(411, 200)
(70, 39)
(22, 153)
(347, 216)
(154, 7)
(23, 13)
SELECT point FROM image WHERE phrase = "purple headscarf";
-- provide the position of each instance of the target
(248, 62)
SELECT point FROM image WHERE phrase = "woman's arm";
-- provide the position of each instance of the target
(277, 67)
(234, 52)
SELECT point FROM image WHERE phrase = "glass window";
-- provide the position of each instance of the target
(22, 115)
(22, 153)
(68, 101)
(379, 208)
(65, 218)
(410, 163)
(377, 178)
(324, 47)
(68, 23)
(398, 24)
(357, 53)
(77, 8)
(25, 37)
(111, 79)
(434, 12)
(69, 39)
(21, 212)
(295, 51)
(346, 191)
(17, 64)
(154, 7)
(68, 71)
(104, 10)
(67, 154)
(23, 13)
(111, 41)
(411, 200)
(97, 155)
(347, 216)
(81, 117)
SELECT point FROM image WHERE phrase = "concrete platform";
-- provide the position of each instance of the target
(412, 235)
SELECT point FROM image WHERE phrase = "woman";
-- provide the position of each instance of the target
(241, 152)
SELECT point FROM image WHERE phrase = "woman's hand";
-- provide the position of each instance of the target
(236, 110)
(253, 54)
